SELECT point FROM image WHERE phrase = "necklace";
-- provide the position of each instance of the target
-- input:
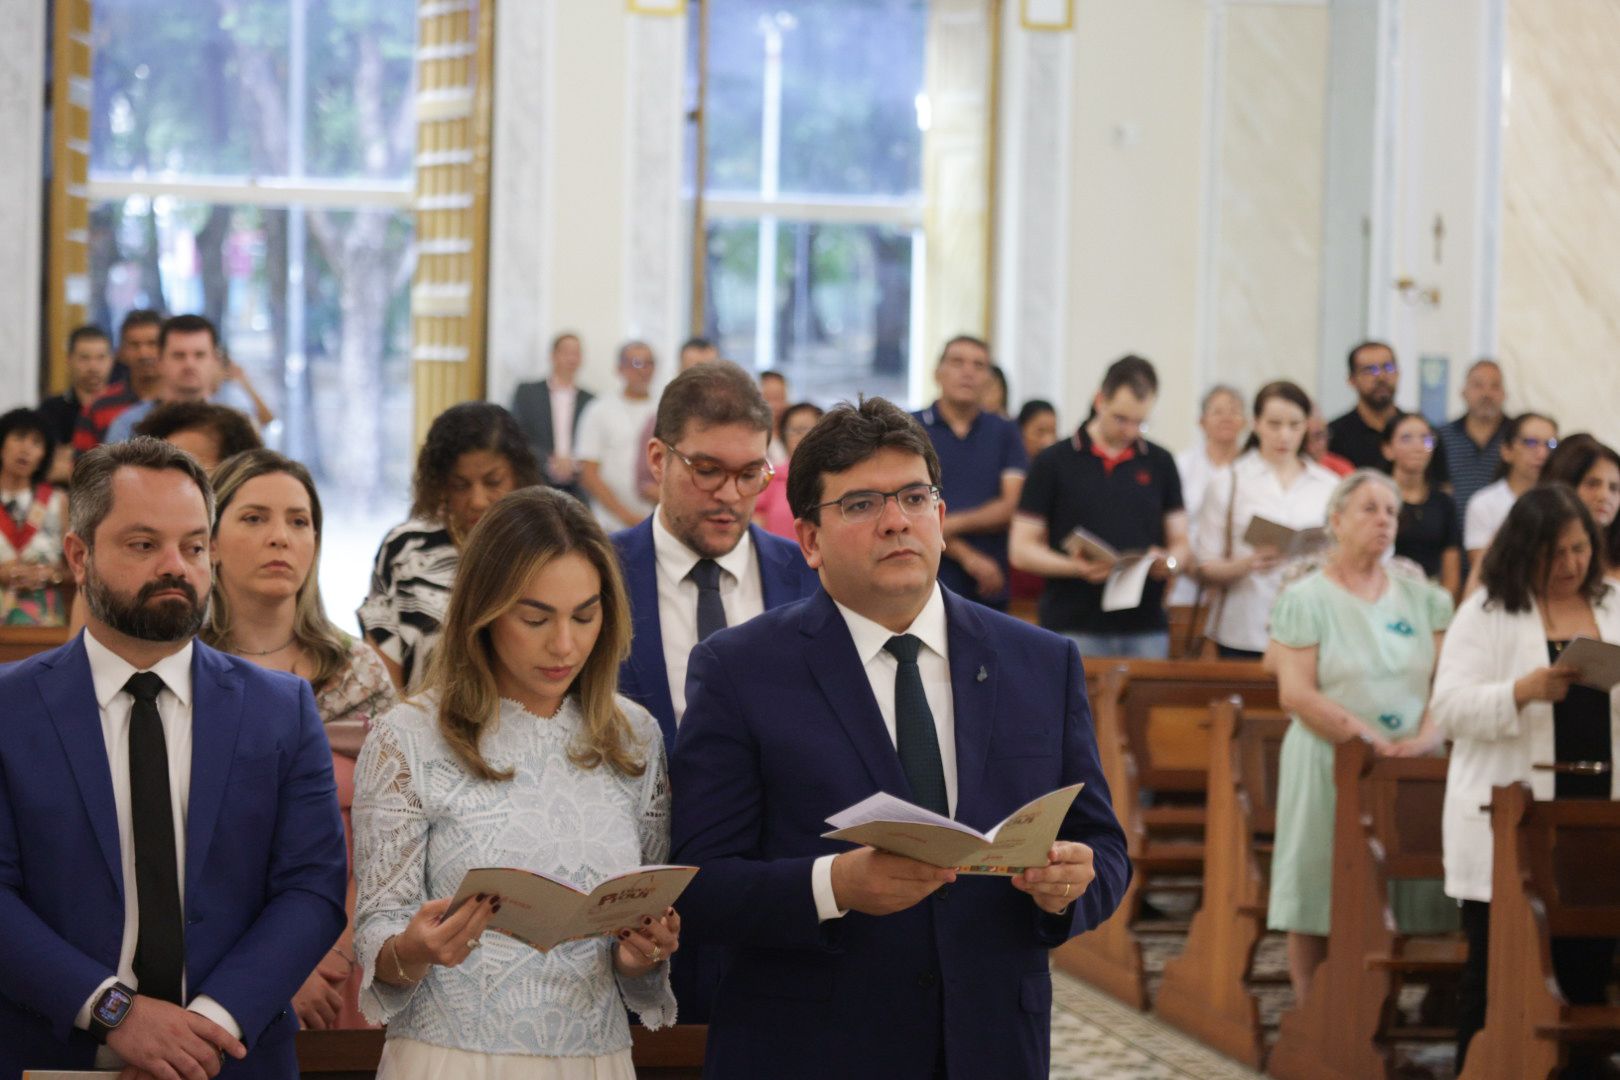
(267, 652)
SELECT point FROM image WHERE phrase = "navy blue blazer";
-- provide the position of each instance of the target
(644, 678)
(266, 867)
(781, 731)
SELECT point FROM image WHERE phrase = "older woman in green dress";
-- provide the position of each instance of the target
(1354, 644)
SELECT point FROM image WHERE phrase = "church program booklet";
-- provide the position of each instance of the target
(1597, 661)
(545, 911)
(1087, 543)
(1023, 840)
(1263, 532)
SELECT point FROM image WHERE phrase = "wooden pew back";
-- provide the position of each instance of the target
(1386, 828)
(21, 642)
(1163, 709)
(674, 1053)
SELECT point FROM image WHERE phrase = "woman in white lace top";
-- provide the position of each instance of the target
(520, 753)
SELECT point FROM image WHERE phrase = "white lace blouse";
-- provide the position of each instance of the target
(421, 821)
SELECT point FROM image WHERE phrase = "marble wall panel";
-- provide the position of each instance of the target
(22, 200)
(1269, 194)
(1559, 304)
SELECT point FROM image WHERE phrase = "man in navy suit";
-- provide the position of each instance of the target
(697, 565)
(857, 963)
(172, 861)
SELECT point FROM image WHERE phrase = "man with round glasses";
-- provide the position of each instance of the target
(1358, 435)
(855, 962)
(697, 565)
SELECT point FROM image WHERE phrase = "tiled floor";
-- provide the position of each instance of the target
(1094, 1037)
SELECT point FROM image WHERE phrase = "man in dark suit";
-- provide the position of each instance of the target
(859, 963)
(697, 565)
(548, 411)
(172, 861)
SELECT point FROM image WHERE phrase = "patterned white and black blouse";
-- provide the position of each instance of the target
(410, 594)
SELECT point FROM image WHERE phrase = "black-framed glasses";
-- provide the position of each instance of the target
(709, 475)
(1388, 367)
(860, 507)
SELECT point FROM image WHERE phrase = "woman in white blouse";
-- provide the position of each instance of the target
(1514, 716)
(1527, 440)
(1273, 479)
(1221, 418)
(519, 754)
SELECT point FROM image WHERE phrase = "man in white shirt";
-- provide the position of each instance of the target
(610, 442)
(172, 860)
(858, 963)
(549, 412)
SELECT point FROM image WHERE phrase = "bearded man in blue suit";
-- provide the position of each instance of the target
(172, 861)
(859, 963)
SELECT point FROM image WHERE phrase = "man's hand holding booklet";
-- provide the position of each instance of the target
(1021, 842)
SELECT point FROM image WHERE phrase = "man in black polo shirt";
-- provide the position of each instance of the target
(1358, 435)
(1115, 484)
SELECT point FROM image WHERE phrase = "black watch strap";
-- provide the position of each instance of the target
(109, 1010)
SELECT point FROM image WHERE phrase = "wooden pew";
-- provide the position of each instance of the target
(21, 642)
(1205, 991)
(1386, 828)
(1556, 873)
(671, 1054)
(1151, 719)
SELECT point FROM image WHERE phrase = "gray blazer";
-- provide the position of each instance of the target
(531, 404)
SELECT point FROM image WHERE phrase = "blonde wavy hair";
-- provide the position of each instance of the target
(322, 641)
(519, 536)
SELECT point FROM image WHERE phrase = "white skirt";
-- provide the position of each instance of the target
(408, 1059)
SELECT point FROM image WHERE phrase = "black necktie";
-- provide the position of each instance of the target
(160, 945)
(914, 736)
(711, 613)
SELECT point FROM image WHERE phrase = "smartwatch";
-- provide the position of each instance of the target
(109, 1010)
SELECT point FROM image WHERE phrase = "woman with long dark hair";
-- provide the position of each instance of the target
(1592, 468)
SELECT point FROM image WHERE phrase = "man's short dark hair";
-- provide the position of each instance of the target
(1359, 346)
(843, 438)
(695, 343)
(87, 332)
(138, 317)
(187, 324)
(710, 395)
(962, 339)
(232, 430)
(93, 476)
(1034, 407)
(1131, 372)
(566, 335)
(772, 373)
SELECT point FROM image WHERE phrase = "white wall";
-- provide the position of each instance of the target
(22, 114)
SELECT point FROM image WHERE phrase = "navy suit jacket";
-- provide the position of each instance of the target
(265, 863)
(781, 731)
(644, 678)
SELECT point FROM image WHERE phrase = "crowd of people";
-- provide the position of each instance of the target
(620, 628)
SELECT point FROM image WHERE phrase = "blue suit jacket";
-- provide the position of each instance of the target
(781, 731)
(644, 678)
(265, 865)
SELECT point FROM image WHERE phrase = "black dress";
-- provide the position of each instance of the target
(1581, 732)
(1427, 529)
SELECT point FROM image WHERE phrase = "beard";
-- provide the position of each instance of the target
(166, 621)
(1379, 397)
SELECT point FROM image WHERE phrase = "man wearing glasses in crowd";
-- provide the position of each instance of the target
(853, 962)
(698, 565)
(1358, 435)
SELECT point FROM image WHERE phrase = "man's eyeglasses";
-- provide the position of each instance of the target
(710, 475)
(1530, 443)
(1388, 367)
(860, 507)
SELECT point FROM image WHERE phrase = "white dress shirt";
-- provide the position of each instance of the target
(108, 674)
(933, 663)
(1486, 511)
(562, 419)
(741, 594)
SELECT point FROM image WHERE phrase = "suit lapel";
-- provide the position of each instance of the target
(973, 700)
(775, 586)
(646, 661)
(70, 695)
(842, 678)
(216, 720)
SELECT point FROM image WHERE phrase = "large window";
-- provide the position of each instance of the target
(813, 118)
(252, 160)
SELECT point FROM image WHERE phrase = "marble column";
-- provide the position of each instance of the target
(657, 225)
(22, 200)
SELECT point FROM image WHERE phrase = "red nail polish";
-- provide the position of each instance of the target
(479, 899)
(497, 907)
(624, 935)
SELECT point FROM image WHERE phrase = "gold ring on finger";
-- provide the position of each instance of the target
(1066, 888)
(657, 953)
(473, 943)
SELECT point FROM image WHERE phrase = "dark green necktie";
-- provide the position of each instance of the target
(914, 736)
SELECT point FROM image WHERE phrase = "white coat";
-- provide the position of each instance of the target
(1494, 742)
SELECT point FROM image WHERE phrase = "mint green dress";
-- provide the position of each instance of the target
(1376, 660)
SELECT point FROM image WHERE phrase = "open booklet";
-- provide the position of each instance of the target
(1127, 577)
(1023, 840)
(1289, 542)
(545, 911)
(1597, 661)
